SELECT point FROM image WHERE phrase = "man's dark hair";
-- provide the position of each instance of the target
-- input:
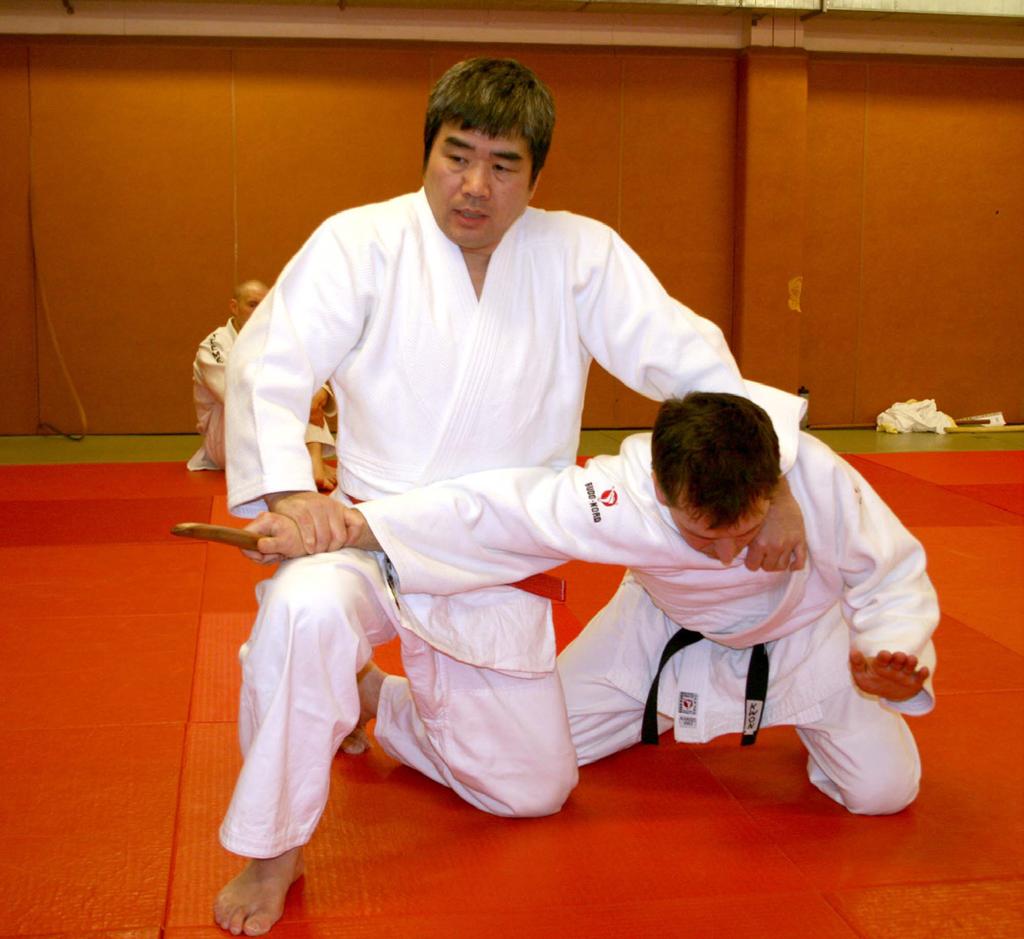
(496, 97)
(715, 453)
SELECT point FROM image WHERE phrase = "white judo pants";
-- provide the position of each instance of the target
(860, 753)
(500, 742)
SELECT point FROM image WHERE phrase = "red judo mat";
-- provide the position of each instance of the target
(118, 750)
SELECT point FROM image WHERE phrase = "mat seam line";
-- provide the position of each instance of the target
(179, 798)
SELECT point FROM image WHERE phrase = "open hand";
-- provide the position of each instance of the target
(890, 675)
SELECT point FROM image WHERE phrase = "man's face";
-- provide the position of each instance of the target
(724, 543)
(477, 186)
(243, 307)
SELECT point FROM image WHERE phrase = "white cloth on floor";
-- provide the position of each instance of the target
(905, 417)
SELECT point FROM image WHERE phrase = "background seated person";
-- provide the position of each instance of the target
(208, 384)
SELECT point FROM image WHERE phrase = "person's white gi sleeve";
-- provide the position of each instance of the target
(288, 349)
(656, 345)
(888, 599)
(499, 526)
(210, 372)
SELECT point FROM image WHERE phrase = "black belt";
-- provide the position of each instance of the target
(757, 688)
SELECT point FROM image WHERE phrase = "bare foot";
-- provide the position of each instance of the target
(370, 678)
(251, 903)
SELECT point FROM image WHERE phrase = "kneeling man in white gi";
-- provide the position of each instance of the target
(457, 326)
(840, 649)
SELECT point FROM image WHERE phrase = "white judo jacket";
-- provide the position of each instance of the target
(865, 585)
(434, 383)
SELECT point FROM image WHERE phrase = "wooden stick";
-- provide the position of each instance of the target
(222, 534)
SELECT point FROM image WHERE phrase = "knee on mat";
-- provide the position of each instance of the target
(888, 790)
(544, 796)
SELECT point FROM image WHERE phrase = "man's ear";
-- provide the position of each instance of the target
(658, 493)
(533, 186)
(233, 306)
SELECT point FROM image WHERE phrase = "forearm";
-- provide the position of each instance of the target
(661, 348)
(466, 534)
(273, 499)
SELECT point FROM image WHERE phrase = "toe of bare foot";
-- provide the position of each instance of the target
(356, 742)
(244, 916)
(252, 902)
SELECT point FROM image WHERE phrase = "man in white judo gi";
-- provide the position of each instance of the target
(208, 385)
(844, 643)
(456, 326)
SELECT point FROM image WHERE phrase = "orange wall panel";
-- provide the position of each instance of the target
(678, 163)
(321, 130)
(132, 160)
(943, 308)
(830, 333)
(582, 169)
(914, 240)
(18, 403)
(675, 192)
(772, 137)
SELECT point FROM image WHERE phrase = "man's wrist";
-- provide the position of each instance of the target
(365, 538)
(273, 498)
(781, 490)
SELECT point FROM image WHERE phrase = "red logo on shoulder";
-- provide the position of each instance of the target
(609, 497)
